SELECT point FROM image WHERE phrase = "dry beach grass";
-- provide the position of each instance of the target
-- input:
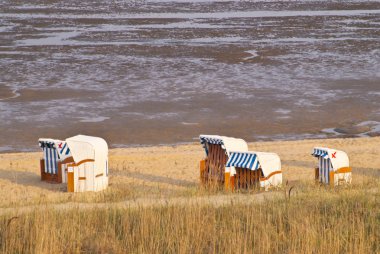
(154, 204)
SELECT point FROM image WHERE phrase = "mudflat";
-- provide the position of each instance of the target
(161, 72)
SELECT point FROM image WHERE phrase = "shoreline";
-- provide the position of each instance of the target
(195, 142)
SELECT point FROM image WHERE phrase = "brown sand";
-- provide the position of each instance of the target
(167, 174)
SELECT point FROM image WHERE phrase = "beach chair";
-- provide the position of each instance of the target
(217, 149)
(52, 164)
(80, 161)
(333, 166)
(249, 170)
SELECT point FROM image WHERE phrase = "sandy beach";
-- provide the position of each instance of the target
(153, 174)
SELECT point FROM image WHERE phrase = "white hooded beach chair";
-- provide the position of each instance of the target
(253, 169)
(80, 161)
(55, 156)
(333, 166)
(217, 149)
(89, 171)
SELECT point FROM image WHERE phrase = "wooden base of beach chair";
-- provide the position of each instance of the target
(316, 175)
(339, 174)
(202, 169)
(229, 182)
(331, 179)
(246, 179)
(70, 181)
(213, 168)
(333, 175)
(48, 177)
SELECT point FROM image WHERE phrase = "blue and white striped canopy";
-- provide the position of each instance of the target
(320, 153)
(54, 151)
(63, 150)
(211, 140)
(50, 156)
(48, 144)
(325, 167)
(216, 140)
(243, 160)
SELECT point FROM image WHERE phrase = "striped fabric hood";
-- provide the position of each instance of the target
(227, 143)
(243, 160)
(63, 150)
(339, 159)
(320, 152)
(51, 157)
(60, 146)
(268, 162)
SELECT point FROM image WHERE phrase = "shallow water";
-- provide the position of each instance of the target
(153, 72)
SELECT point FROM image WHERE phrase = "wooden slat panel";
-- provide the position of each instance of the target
(220, 166)
(70, 181)
(316, 174)
(215, 152)
(242, 185)
(59, 173)
(202, 169)
(215, 165)
(227, 181)
(237, 178)
(246, 178)
(251, 179)
(240, 178)
(233, 182)
(212, 162)
(42, 167)
(331, 175)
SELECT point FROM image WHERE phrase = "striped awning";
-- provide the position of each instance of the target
(243, 160)
(63, 150)
(50, 156)
(210, 140)
(46, 143)
(52, 149)
(325, 167)
(320, 153)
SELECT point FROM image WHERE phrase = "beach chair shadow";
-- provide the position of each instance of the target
(29, 179)
(156, 178)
